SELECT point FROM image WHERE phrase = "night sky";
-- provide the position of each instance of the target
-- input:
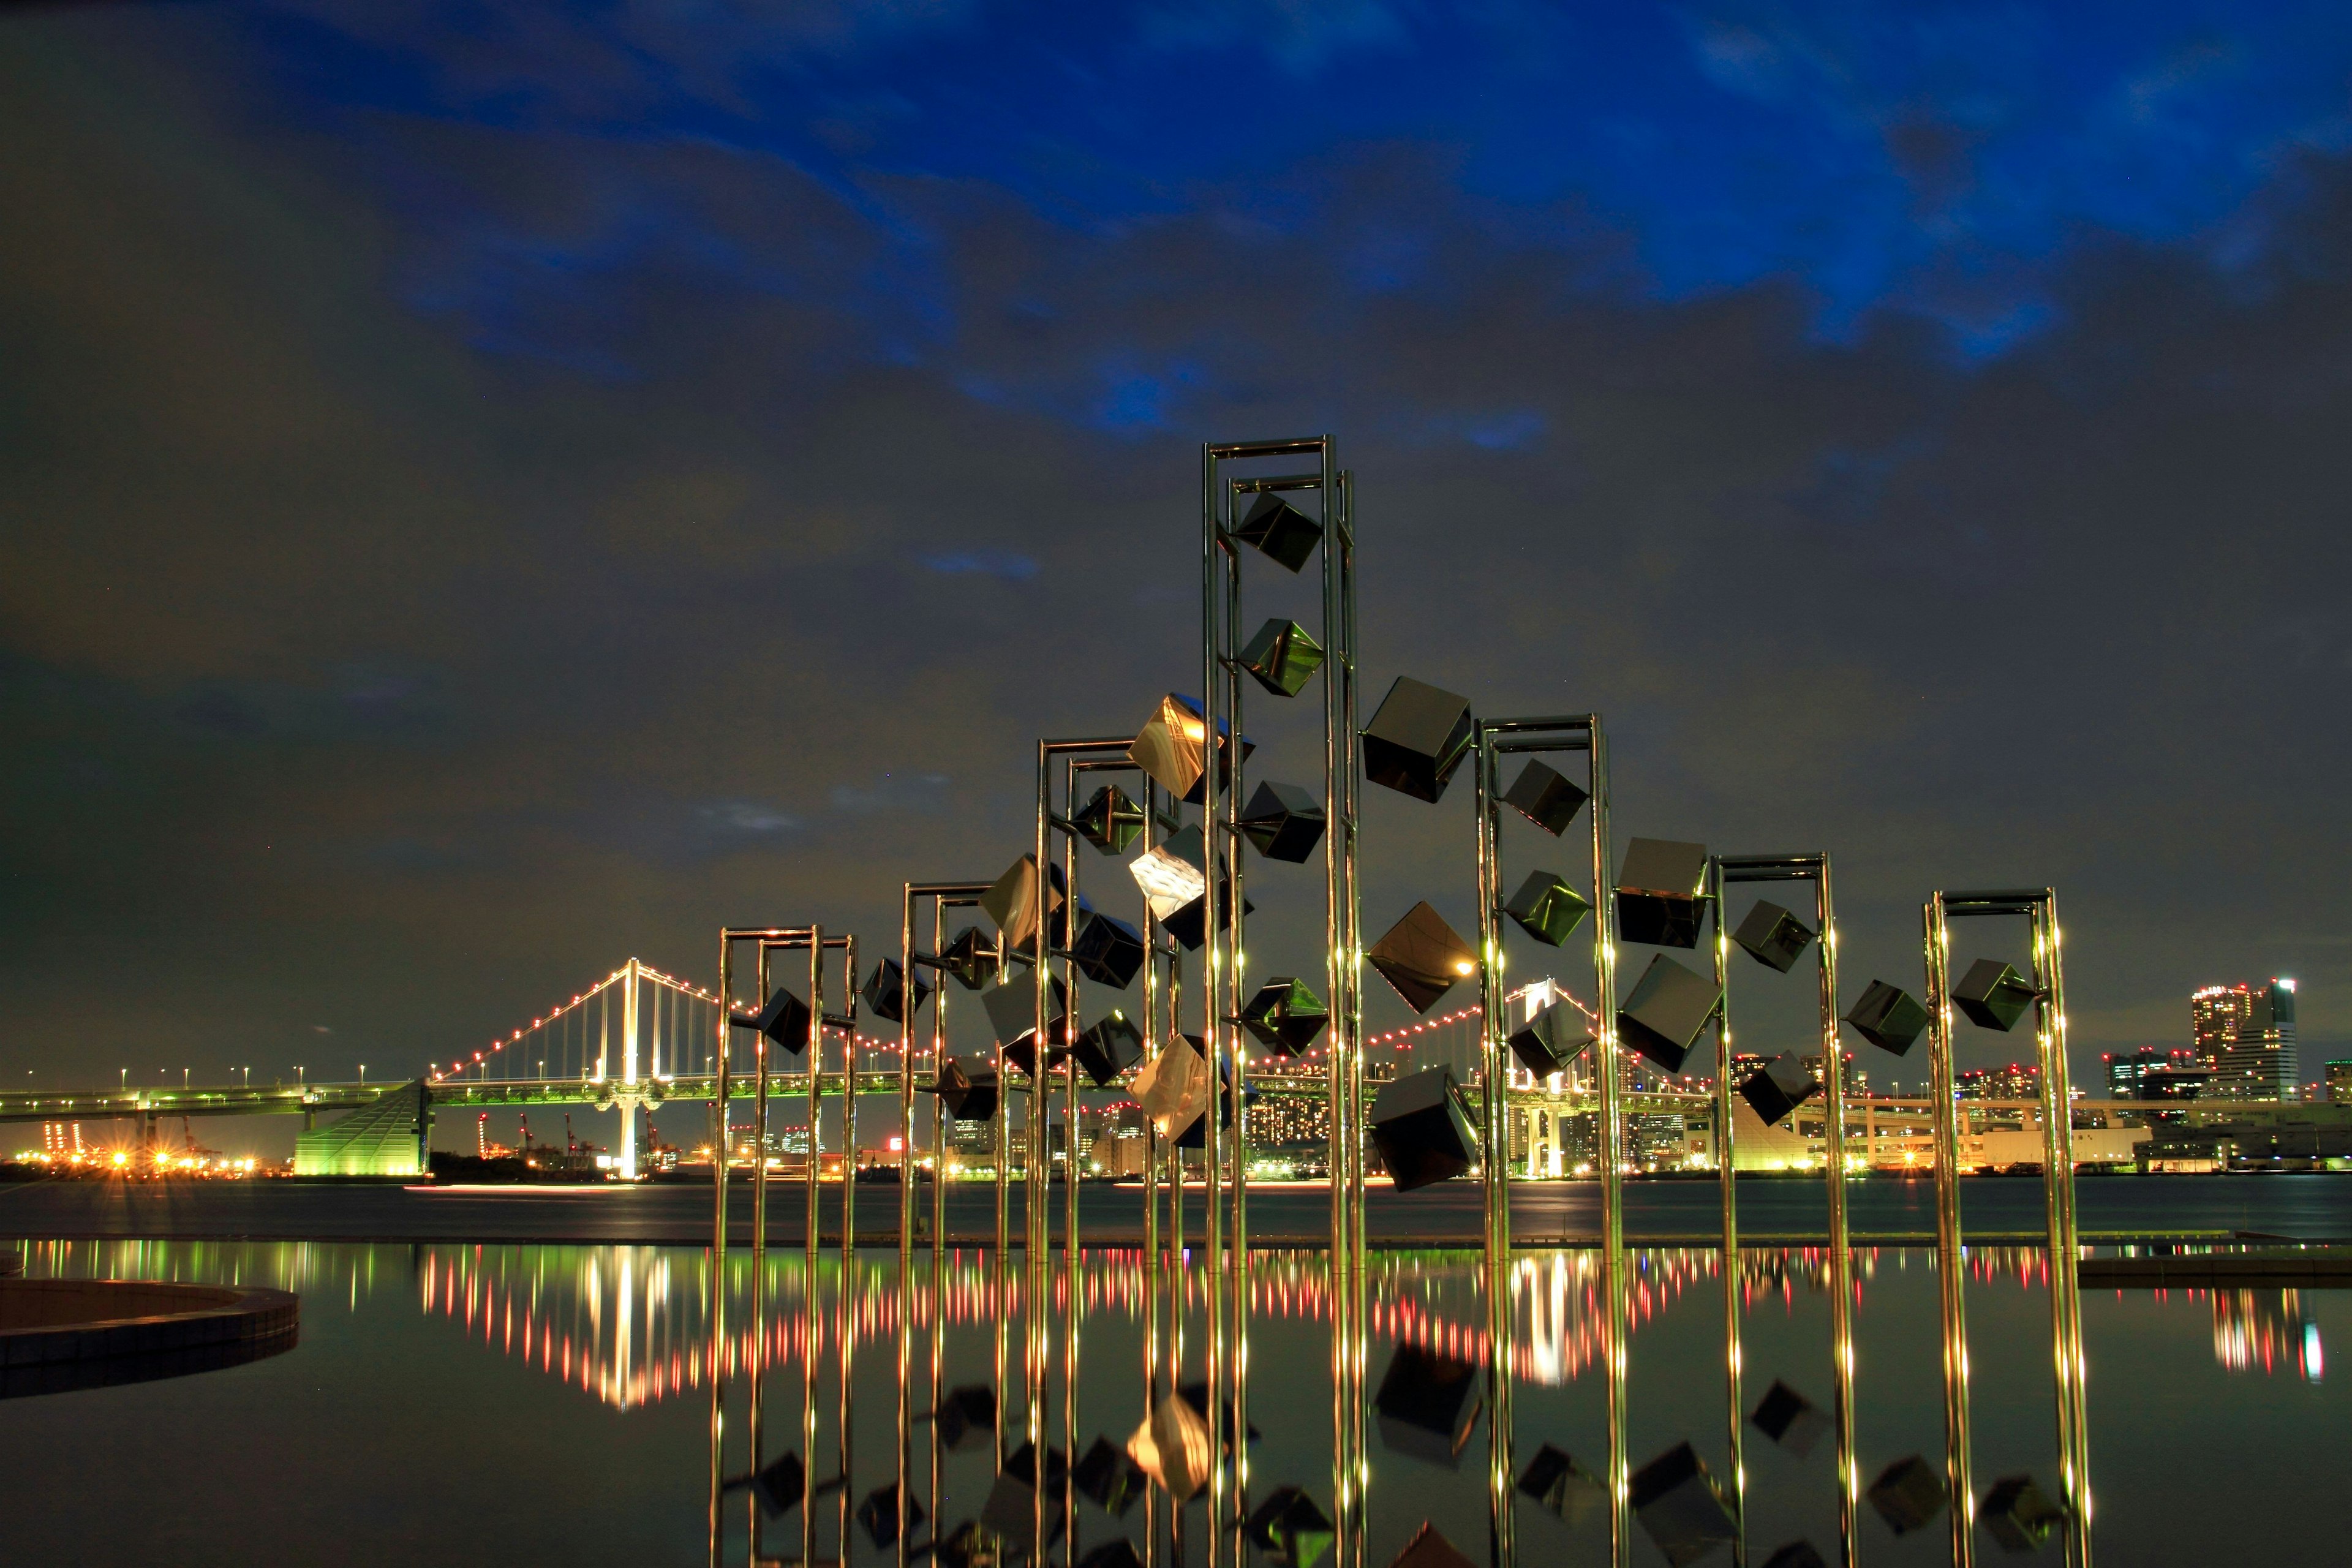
(485, 491)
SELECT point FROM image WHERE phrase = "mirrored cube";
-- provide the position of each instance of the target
(1285, 1015)
(1660, 890)
(1417, 738)
(969, 1090)
(1662, 1017)
(1107, 1478)
(1012, 903)
(967, 1416)
(1108, 1048)
(1283, 658)
(1680, 1506)
(1551, 1039)
(1115, 1553)
(969, 960)
(1908, 1494)
(1109, 820)
(1429, 1548)
(1012, 1009)
(780, 1484)
(1283, 821)
(785, 1020)
(1196, 1395)
(1171, 1447)
(877, 1514)
(1290, 1527)
(1789, 1419)
(1779, 1086)
(1196, 1135)
(1772, 936)
(1169, 748)
(1107, 950)
(1423, 958)
(1428, 1406)
(1561, 1486)
(1011, 1512)
(1546, 908)
(1544, 796)
(1176, 886)
(1888, 1017)
(1421, 1130)
(1993, 995)
(883, 998)
(1173, 1086)
(1796, 1554)
(1279, 531)
(2018, 1515)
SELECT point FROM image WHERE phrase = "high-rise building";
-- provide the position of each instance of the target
(2149, 1073)
(2256, 1059)
(2214, 1015)
(2339, 1083)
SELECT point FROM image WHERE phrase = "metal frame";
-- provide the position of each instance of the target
(2040, 906)
(1493, 739)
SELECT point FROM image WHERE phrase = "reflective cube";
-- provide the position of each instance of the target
(878, 1514)
(780, 1485)
(1011, 1512)
(1660, 892)
(1109, 820)
(968, 1090)
(1561, 1486)
(1196, 1395)
(1012, 1009)
(1173, 1086)
(1279, 531)
(1428, 1406)
(1662, 1017)
(1195, 1134)
(1551, 1039)
(1789, 1419)
(883, 996)
(1107, 950)
(1796, 1554)
(1423, 958)
(785, 1020)
(1290, 1527)
(1546, 908)
(1171, 1447)
(969, 960)
(1680, 1506)
(1108, 1048)
(1429, 1548)
(1772, 936)
(966, 1418)
(2019, 1516)
(1544, 797)
(1421, 1130)
(1175, 886)
(1992, 995)
(1888, 1017)
(1283, 821)
(1908, 1495)
(1417, 738)
(1169, 748)
(1012, 903)
(1107, 1478)
(1282, 658)
(1285, 1015)
(1779, 1086)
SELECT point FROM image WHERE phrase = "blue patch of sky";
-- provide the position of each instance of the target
(1008, 564)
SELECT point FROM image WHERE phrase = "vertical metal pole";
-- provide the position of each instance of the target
(1728, 1188)
(1611, 1141)
(2064, 1249)
(811, 1350)
(1037, 1200)
(844, 1283)
(1341, 788)
(906, 1171)
(757, 1373)
(1849, 1467)
(717, 1311)
(1951, 1260)
(1495, 1158)
(1212, 984)
(1225, 644)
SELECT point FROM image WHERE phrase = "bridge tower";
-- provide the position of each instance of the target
(628, 1097)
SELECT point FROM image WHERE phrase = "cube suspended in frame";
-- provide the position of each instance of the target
(883, 994)
(1195, 1134)
(1546, 908)
(878, 1514)
(1171, 1447)
(2018, 1515)
(1779, 1086)
(1282, 658)
(1993, 996)
(1110, 820)
(1417, 738)
(1012, 903)
(1109, 1048)
(969, 1090)
(966, 1417)
(1107, 950)
(1563, 1487)
(1423, 958)
(1176, 886)
(1174, 1087)
(1196, 1395)
(1544, 796)
(1551, 1039)
(1796, 1554)
(1908, 1495)
(969, 960)
(1789, 1419)
(1887, 1017)
(1661, 892)
(1662, 1017)
(1421, 1130)
(1012, 1009)
(1429, 1548)
(1291, 1528)
(1681, 1507)
(1171, 751)
(1279, 531)
(1428, 1406)
(1107, 1478)
(1010, 1512)
(785, 1020)
(1285, 1015)
(1772, 936)
(779, 1484)
(1283, 821)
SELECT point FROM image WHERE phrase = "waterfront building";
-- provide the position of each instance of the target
(2339, 1083)
(2257, 1060)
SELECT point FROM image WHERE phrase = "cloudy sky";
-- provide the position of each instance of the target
(485, 491)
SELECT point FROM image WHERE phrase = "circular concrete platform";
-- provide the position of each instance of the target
(60, 1334)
